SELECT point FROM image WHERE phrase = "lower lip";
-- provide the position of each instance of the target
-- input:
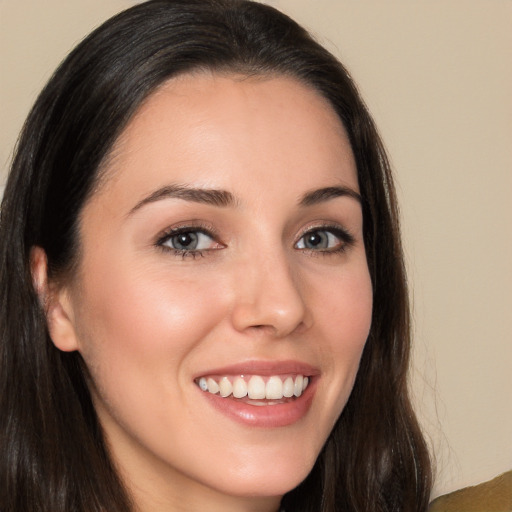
(266, 416)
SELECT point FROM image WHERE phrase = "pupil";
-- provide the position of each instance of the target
(185, 241)
(315, 239)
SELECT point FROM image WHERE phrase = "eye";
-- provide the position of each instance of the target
(325, 239)
(188, 240)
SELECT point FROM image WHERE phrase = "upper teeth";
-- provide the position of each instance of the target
(275, 388)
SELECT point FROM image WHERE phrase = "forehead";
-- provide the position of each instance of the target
(211, 129)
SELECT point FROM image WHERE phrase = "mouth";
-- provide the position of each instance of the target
(255, 389)
(261, 395)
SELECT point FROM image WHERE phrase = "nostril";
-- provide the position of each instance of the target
(278, 309)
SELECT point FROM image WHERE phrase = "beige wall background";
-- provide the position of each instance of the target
(437, 76)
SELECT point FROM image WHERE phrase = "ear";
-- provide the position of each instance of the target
(56, 302)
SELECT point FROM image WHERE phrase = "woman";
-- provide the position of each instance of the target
(204, 302)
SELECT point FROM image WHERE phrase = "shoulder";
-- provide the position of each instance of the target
(492, 496)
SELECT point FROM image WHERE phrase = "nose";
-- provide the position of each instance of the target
(268, 297)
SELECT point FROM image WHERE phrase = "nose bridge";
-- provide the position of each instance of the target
(268, 293)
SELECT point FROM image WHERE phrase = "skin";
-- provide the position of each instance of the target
(147, 321)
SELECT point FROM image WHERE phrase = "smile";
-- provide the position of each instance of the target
(265, 394)
(254, 388)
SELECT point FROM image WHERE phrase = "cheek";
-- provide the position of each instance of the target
(345, 309)
(139, 335)
(345, 321)
(147, 308)
(354, 319)
(135, 324)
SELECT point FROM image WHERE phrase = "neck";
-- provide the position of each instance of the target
(154, 487)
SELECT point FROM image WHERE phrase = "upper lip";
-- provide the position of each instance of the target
(264, 368)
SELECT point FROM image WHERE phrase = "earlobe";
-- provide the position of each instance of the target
(56, 303)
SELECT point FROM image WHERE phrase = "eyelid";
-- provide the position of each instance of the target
(187, 227)
(346, 238)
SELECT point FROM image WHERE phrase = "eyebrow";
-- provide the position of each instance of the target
(223, 198)
(197, 195)
(325, 194)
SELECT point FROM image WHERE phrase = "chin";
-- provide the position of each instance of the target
(277, 476)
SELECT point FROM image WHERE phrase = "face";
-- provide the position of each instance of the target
(223, 298)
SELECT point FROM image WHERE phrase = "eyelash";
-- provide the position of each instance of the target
(346, 240)
(187, 253)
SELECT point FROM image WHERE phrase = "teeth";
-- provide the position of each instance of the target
(288, 387)
(275, 388)
(256, 387)
(239, 388)
(297, 391)
(213, 387)
(225, 387)
(202, 384)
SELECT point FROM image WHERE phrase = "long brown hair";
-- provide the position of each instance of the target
(53, 456)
